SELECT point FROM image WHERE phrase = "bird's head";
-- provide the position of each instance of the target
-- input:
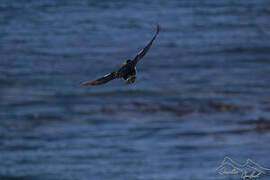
(126, 62)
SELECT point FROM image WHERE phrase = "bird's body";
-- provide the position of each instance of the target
(127, 70)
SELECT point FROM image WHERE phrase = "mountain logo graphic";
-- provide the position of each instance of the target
(249, 169)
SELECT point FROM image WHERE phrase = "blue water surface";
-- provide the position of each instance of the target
(202, 92)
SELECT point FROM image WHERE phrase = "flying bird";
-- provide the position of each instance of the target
(127, 70)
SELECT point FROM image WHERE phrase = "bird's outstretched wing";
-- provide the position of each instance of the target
(101, 80)
(141, 54)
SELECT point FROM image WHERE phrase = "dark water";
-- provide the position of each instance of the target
(202, 92)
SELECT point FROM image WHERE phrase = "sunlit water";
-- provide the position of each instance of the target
(202, 92)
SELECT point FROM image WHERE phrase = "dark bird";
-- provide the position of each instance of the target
(127, 70)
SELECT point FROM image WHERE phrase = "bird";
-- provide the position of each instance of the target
(127, 71)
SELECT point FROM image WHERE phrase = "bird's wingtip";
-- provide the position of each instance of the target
(158, 27)
(87, 83)
(82, 84)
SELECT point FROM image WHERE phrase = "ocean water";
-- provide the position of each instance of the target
(202, 92)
